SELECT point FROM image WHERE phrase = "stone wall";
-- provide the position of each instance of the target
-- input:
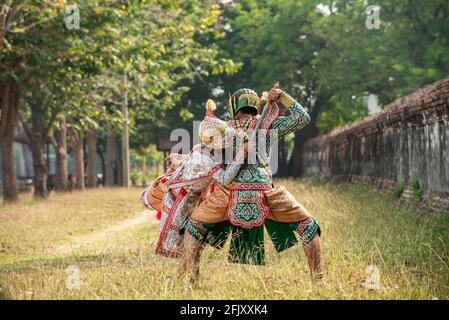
(407, 141)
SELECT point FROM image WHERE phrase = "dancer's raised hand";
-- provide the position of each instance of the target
(274, 94)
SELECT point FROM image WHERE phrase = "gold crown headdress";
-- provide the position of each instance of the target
(213, 132)
(243, 98)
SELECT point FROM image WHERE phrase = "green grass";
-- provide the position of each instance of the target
(106, 234)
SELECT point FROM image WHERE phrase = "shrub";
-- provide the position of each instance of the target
(417, 190)
(397, 191)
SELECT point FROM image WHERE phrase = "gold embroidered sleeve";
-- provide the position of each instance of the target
(286, 100)
(296, 120)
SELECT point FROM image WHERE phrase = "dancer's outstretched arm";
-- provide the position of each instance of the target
(225, 176)
(296, 120)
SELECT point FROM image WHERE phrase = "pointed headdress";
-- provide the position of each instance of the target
(213, 132)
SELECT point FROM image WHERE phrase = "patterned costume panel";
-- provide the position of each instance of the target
(247, 208)
(177, 207)
(187, 186)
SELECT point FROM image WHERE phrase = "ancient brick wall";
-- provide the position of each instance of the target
(407, 141)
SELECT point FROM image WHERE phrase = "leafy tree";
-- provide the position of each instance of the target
(27, 33)
(141, 49)
(324, 55)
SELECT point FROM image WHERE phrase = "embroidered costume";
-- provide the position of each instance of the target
(251, 202)
(190, 182)
(152, 196)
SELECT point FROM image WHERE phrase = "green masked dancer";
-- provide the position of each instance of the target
(251, 203)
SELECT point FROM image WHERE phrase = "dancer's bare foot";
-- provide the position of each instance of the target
(319, 282)
(316, 276)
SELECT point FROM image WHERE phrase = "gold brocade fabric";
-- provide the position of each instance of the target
(152, 195)
(214, 208)
(283, 206)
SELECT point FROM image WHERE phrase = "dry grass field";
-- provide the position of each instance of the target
(109, 238)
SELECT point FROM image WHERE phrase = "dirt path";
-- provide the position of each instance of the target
(103, 234)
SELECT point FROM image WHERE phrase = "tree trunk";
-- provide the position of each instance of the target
(144, 170)
(111, 155)
(308, 132)
(92, 159)
(103, 165)
(38, 139)
(61, 157)
(144, 165)
(78, 154)
(9, 102)
(282, 164)
(126, 181)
